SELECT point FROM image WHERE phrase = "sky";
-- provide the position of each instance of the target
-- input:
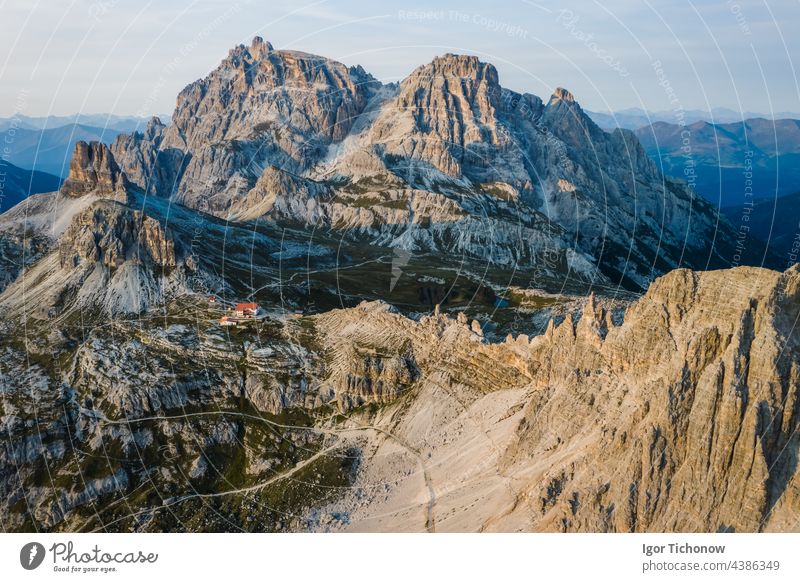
(132, 57)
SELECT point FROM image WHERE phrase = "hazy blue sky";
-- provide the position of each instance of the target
(133, 56)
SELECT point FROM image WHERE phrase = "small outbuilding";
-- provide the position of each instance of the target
(246, 310)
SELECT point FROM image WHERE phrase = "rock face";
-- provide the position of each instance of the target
(259, 107)
(258, 85)
(112, 234)
(142, 159)
(683, 418)
(680, 414)
(31, 229)
(111, 259)
(93, 169)
(691, 408)
(445, 114)
(300, 139)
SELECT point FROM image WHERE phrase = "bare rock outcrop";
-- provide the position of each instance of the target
(297, 138)
(155, 170)
(110, 259)
(110, 233)
(683, 417)
(260, 107)
(93, 169)
(445, 109)
(690, 406)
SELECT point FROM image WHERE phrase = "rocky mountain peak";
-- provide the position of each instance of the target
(93, 169)
(145, 163)
(256, 50)
(459, 76)
(442, 108)
(310, 125)
(257, 87)
(260, 48)
(450, 65)
(153, 128)
(561, 94)
(259, 107)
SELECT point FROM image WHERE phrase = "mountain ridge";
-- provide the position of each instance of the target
(430, 414)
(448, 129)
(49, 150)
(635, 118)
(717, 156)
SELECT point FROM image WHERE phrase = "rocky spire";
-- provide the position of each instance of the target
(93, 169)
(441, 110)
(561, 94)
(260, 48)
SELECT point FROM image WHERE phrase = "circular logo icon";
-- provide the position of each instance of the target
(31, 555)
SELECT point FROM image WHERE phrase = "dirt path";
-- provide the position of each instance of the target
(430, 516)
(258, 486)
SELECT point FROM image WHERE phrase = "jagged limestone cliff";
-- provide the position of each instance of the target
(354, 156)
(682, 418)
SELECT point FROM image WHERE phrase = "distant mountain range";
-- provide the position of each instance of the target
(120, 123)
(715, 157)
(750, 169)
(634, 118)
(49, 150)
(17, 184)
(775, 221)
